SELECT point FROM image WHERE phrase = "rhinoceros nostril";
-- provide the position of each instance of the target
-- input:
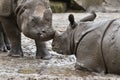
(39, 34)
(53, 44)
(43, 30)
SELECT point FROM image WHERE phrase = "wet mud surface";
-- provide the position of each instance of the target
(60, 67)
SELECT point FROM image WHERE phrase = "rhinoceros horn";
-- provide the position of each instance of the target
(47, 17)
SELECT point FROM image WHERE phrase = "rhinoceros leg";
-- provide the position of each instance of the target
(6, 41)
(42, 51)
(13, 33)
(2, 44)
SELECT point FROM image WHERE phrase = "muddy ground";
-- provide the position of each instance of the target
(60, 67)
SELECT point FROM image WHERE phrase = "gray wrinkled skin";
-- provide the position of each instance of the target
(31, 17)
(95, 45)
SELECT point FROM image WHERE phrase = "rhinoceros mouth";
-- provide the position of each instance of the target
(47, 36)
(58, 51)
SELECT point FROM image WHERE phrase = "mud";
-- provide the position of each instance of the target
(60, 67)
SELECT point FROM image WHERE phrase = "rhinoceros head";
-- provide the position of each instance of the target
(61, 42)
(35, 19)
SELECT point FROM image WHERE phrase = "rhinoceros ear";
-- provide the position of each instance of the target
(20, 9)
(47, 15)
(5, 7)
(72, 21)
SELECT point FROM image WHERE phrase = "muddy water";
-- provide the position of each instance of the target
(60, 67)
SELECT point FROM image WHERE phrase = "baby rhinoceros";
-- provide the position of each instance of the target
(96, 44)
(31, 17)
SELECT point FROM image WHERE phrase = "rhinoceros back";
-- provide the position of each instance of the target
(88, 52)
(5, 7)
(111, 47)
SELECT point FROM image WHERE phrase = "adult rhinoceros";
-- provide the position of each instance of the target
(31, 17)
(96, 44)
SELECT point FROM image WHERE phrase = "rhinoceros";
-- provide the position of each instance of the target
(31, 17)
(96, 44)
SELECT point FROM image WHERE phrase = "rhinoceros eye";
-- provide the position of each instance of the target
(31, 22)
(59, 36)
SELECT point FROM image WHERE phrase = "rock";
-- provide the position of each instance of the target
(100, 5)
(58, 7)
(111, 5)
(87, 4)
